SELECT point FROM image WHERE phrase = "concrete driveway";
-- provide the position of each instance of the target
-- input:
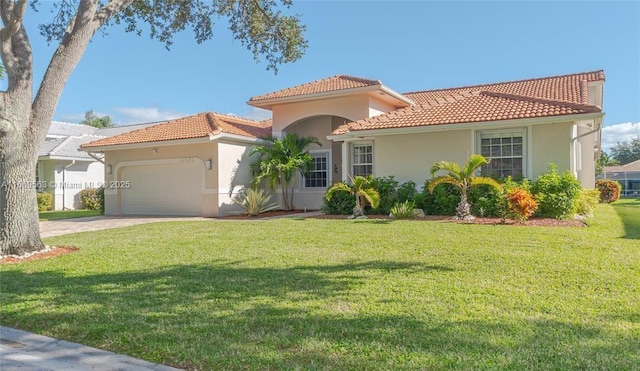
(96, 223)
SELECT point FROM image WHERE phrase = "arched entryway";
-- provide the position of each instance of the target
(327, 167)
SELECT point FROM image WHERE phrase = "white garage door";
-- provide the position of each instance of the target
(166, 189)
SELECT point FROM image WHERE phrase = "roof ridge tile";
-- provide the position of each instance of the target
(600, 74)
(539, 100)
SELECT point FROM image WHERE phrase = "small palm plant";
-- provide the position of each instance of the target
(280, 160)
(360, 187)
(463, 179)
(254, 201)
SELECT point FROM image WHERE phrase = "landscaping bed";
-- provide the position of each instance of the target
(544, 222)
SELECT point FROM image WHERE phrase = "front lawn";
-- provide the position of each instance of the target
(67, 214)
(338, 294)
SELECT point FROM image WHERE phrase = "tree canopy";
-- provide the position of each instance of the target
(626, 152)
(259, 25)
(91, 119)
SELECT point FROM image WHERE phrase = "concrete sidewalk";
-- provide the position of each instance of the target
(21, 350)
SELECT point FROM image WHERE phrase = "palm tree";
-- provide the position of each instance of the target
(280, 162)
(462, 178)
(362, 189)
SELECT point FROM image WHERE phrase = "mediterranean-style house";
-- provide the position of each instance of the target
(194, 165)
(63, 170)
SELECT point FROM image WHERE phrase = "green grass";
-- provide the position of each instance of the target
(67, 214)
(337, 294)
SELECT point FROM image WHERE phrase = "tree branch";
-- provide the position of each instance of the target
(12, 14)
(110, 9)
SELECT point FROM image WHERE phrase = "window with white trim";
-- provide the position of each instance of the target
(505, 151)
(318, 176)
(362, 159)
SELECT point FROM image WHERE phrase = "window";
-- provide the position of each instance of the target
(319, 172)
(505, 152)
(362, 159)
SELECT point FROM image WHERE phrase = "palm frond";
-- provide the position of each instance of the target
(372, 196)
(444, 179)
(474, 163)
(452, 167)
(478, 180)
(338, 187)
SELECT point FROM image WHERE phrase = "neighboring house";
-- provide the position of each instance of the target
(365, 128)
(63, 170)
(627, 175)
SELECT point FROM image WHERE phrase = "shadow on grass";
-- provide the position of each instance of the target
(629, 212)
(227, 316)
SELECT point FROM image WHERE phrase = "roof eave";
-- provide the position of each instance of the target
(465, 125)
(269, 103)
(398, 96)
(65, 158)
(174, 142)
(170, 142)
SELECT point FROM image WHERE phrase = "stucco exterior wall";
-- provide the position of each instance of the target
(65, 179)
(352, 107)
(587, 169)
(378, 107)
(550, 143)
(130, 157)
(410, 156)
(234, 174)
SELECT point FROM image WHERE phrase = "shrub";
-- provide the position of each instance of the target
(521, 203)
(556, 193)
(386, 188)
(508, 184)
(92, 198)
(45, 201)
(254, 201)
(403, 210)
(407, 191)
(587, 201)
(609, 190)
(485, 200)
(341, 203)
(443, 201)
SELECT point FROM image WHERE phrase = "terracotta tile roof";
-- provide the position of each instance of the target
(541, 97)
(567, 88)
(197, 126)
(474, 107)
(333, 83)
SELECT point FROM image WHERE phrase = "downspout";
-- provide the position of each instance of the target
(574, 139)
(64, 182)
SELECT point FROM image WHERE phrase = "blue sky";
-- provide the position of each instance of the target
(410, 46)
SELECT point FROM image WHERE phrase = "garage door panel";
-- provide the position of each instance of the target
(165, 189)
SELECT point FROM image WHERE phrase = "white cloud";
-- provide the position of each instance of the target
(134, 115)
(624, 132)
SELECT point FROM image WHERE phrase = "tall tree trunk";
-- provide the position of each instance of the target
(19, 228)
(24, 123)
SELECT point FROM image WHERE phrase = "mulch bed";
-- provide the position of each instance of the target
(543, 222)
(268, 214)
(53, 252)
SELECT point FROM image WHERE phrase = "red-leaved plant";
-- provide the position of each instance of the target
(609, 190)
(521, 203)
